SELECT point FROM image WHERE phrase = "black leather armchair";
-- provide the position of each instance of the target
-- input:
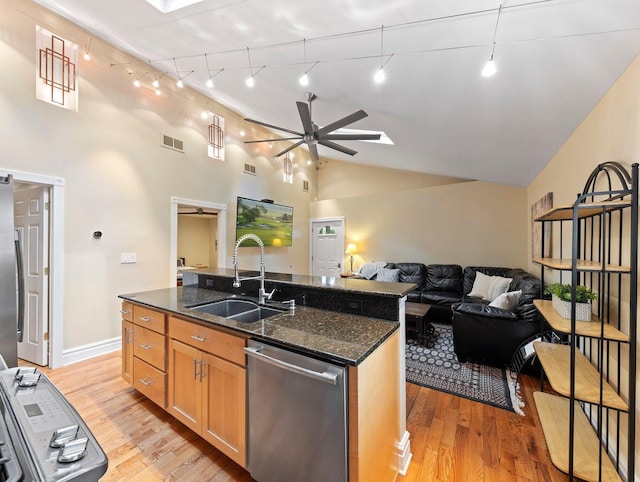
(483, 332)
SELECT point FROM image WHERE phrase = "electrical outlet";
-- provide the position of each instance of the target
(126, 258)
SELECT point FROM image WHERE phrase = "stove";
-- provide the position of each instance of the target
(42, 437)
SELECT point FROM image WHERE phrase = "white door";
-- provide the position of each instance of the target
(32, 220)
(327, 247)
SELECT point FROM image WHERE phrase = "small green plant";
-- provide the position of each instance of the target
(563, 291)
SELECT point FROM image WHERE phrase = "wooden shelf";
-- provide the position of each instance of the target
(592, 329)
(582, 265)
(554, 417)
(556, 361)
(585, 210)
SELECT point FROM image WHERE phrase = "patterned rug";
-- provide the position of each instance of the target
(432, 363)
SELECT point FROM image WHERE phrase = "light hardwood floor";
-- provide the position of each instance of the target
(452, 439)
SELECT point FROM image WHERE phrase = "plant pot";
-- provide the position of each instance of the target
(583, 310)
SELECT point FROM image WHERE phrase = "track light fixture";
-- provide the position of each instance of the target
(136, 82)
(490, 67)
(87, 55)
(379, 76)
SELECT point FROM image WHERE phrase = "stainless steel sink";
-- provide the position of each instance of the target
(242, 311)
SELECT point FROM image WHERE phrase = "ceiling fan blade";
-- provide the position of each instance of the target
(273, 140)
(274, 127)
(351, 137)
(291, 147)
(313, 150)
(345, 121)
(337, 147)
(305, 117)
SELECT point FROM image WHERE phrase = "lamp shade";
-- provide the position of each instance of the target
(351, 249)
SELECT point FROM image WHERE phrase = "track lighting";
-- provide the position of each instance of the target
(304, 80)
(250, 82)
(180, 84)
(87, 55)
(136, 83)
(155, 84)
(490, 67)
(209, 83)
(158, 92)
(379, 76)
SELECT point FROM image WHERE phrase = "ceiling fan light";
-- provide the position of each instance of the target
(210, 83)
(250, 81)
(489, 68)
(304, 80)
(379, 76)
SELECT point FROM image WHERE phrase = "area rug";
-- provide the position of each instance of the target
(432, 363)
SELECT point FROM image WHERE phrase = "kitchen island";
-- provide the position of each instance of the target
(370, 347)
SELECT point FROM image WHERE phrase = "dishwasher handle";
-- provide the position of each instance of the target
(326, 377)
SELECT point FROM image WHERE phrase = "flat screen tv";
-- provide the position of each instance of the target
(272, 223)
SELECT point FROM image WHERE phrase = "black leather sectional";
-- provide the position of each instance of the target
(480, 332)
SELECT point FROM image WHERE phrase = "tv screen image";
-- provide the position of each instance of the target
(272, 223)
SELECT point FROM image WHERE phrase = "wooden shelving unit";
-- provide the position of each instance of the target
(583, 423)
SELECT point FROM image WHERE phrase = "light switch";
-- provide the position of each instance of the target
(127, 258)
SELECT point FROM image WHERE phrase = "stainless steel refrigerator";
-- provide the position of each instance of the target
(11, 277)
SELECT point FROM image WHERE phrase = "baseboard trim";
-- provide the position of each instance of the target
(85, 352)
(404, 454)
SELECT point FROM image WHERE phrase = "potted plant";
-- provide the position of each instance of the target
(561, 300)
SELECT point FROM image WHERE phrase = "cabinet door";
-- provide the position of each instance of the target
(127, 352)
(224, 405)
(185, 385)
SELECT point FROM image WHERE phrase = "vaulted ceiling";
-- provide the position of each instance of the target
(555, 60)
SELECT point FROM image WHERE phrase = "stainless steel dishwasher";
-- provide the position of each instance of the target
(297, 417)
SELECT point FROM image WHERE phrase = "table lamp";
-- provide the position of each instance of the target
(351, 250)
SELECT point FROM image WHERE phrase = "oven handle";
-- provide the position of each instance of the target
(326, 377)
(20, 267)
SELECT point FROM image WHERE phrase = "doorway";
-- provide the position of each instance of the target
(51, 305)
(327, 246)
(198, 236)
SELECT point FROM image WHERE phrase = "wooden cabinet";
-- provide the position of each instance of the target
(592, 365)
(127, 342)
(144, 361)
(207, 385)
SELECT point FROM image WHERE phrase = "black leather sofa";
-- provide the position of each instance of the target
(480, 332)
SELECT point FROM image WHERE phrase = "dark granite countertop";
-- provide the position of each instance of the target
(334, 336)
(348, 285)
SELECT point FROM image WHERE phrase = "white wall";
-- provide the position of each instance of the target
(117, 177)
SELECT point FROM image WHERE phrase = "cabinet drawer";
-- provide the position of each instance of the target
(209, 339)
(149, 346)
(150, 381)
(127, 311)
(154, 320)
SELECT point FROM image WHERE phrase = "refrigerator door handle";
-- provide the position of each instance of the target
(20, 285)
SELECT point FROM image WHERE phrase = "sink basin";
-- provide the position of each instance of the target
(242, 311)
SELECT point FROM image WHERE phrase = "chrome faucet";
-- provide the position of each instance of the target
(262, 294)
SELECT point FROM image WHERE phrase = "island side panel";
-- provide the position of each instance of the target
(374, 409)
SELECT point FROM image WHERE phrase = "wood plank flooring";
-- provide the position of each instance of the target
(452, 439)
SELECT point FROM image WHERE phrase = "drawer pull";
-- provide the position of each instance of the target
(125, 312)
(146, 347)
(145, 318)
(198, 338)
(145, 381)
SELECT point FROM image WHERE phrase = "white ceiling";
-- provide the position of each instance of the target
(555, 60)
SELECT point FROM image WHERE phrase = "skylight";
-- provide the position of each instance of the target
(166, 6)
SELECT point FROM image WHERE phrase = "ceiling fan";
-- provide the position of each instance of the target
(314, 135)
(200, 212)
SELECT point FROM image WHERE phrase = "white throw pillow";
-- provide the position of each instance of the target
(507, 301)
(497, 286)
(480, 285)
(386, 274)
